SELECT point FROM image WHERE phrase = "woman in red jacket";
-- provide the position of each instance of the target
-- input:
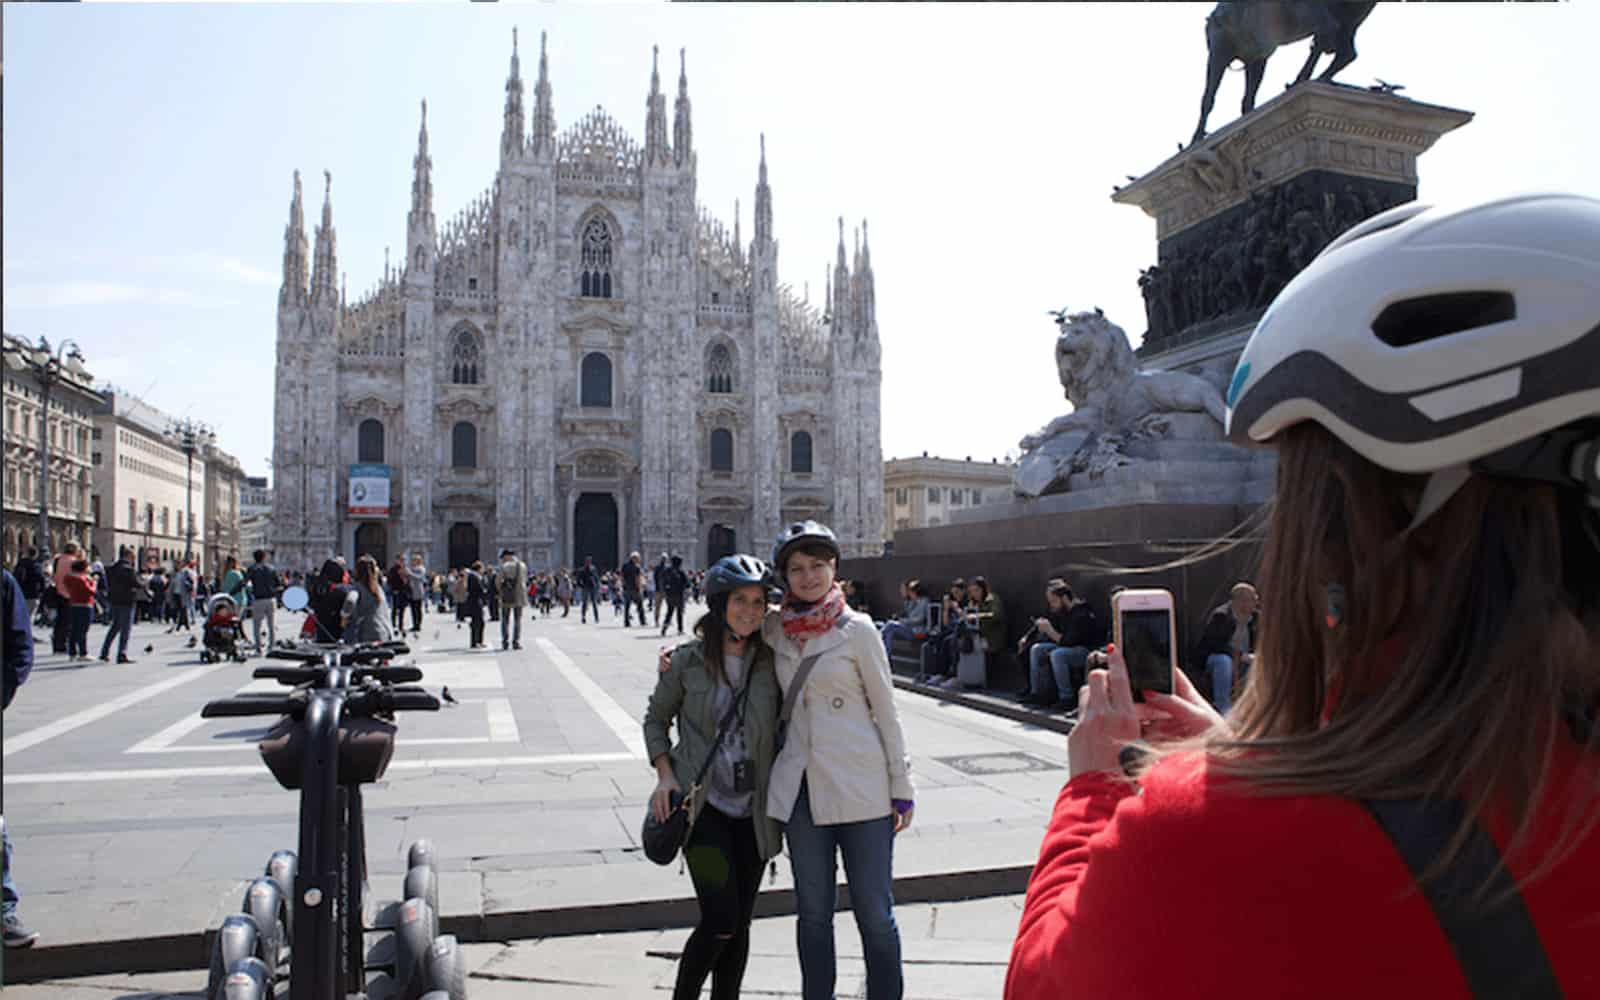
(1404, 800)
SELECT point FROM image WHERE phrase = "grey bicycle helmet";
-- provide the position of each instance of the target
(1442, 341)
(799, 533)
(732, 572)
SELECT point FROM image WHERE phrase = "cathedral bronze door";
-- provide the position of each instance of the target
(372, 539)
(463, 544)
(721, 542)
(594, 530)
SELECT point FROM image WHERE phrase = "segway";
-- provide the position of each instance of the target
(302, 933)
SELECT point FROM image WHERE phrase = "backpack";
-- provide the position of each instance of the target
(263, 581)
(508, 585)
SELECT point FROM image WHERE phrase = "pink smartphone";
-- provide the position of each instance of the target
(1144, 629)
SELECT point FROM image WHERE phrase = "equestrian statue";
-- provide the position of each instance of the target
(1251, 30)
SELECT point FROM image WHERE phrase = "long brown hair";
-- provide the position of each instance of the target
(711, 629)
(367, 576)
(1462, 645)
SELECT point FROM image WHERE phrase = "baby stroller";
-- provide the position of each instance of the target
(222, 638)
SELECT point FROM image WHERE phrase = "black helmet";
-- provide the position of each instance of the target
(732, 572)
(799, 533)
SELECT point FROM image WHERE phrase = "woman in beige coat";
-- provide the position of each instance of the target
(842, 780)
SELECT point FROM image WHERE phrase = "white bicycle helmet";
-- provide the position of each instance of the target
(1442, 340)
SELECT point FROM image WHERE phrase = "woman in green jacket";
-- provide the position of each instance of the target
(726, 678)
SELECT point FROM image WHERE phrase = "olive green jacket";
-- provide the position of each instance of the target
(686, 693)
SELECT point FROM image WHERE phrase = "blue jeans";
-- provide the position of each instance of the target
(590, 597)
(9, 897)
(895, 630)
(1220, 666)
(509, 614)
(1064, 664)
(81, 617)
(868, 849)
(121, 624)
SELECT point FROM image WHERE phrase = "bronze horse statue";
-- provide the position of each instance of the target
(1251, 30)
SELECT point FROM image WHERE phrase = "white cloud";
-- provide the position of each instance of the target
(236, 268)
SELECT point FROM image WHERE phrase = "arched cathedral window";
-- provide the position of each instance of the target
(464, 359)
(369, 441)
(800, 452)
(464, 445)
(719, 369)
(594, 380)
(721, 450)
(595, 261)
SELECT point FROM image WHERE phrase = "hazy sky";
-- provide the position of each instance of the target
(149, 152)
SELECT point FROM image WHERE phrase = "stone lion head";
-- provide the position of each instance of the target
(1092, 353)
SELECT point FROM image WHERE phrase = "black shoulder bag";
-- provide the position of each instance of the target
(663, 839)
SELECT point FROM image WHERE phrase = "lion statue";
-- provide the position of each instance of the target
(1113, 403)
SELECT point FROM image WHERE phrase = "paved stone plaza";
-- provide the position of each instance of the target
(137, 825)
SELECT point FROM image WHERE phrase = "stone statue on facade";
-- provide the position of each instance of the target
(1250, 32)
(1114, 404)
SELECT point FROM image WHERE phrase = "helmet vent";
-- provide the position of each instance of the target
(1416, 321)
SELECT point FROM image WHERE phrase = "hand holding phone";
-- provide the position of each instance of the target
(1145, 632)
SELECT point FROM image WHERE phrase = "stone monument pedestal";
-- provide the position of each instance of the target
(1237, 216)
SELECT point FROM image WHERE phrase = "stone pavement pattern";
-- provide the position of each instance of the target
(136, 822)
(951, 951)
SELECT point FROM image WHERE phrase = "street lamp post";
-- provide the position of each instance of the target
(191, 436)
(48, 372)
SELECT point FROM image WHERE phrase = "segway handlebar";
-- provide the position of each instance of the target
(293, 676)
(347, 655)
(271, 705)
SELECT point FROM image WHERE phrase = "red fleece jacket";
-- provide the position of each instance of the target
(1187, 887)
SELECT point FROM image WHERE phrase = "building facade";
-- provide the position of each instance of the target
(255, 515)
(580, 363)
(147, 494)
(70, 433)
(224, 482)
(921, 492)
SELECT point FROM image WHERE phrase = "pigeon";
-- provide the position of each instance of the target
(449, 699)
(149, 648)
(1130, 177)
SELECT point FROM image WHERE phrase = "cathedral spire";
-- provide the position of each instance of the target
(325, 262)
(866, 296)
(738, 240)
(682, 131)
(420, 231)
(656, 151)
(841, 286)
(293, 290)
(544, 119)
(511, 133)
(763, 200)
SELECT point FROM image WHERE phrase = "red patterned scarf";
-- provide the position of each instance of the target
(807, 621)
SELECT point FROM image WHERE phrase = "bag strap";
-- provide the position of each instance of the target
(795, 687)
(722, 730)
(1497, 948)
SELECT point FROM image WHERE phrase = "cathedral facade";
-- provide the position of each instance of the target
(582, 362)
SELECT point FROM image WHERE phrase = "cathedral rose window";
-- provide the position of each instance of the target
(596, 260)
(719, 369)
(464, 359)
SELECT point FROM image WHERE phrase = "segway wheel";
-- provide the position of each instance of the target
(414, 930)
(422, 882)
(248, 979)
(237, 940)
(421, 853)
(445, 972)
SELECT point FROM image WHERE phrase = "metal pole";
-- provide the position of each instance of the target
(188, 501)
(45, 377)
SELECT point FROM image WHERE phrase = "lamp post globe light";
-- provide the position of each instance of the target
(190, 436)
(48, 372)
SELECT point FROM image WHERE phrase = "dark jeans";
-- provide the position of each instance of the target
(416, 614)
(475, 617)
(9, 897)
(674, 607)
(725, 865)
(121, 625)
(61, 631)
(632, 599)
(590, 597)
(397, 610)
(868, 849)
(81, 617)
(510, 624)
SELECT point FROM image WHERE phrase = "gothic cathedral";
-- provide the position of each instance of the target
(583, 362)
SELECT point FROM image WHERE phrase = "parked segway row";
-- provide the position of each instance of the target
(305, 927)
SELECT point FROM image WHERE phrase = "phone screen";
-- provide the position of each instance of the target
(1147, 649)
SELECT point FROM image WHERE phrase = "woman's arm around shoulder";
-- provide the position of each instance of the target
(665, 701)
